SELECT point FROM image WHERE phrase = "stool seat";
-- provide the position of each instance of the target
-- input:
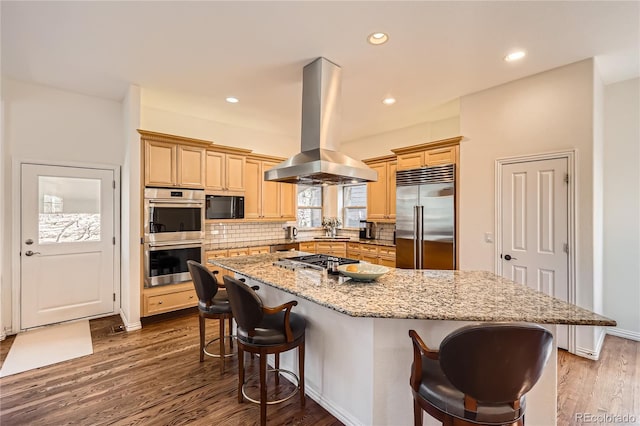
(271, 330)
(219, 304)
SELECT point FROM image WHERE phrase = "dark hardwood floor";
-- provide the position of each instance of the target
(152, 377)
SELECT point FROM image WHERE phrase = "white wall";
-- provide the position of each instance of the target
(43, 123)
(131, 200)
(622, 207)
(382, 144)
(550, 111)
(174, 123)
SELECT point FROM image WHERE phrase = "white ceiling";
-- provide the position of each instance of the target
(189, 56)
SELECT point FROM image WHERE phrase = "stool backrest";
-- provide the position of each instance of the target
(495, 362)
(246, 305)
(204, 281)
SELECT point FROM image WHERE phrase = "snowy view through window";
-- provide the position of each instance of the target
(69, 227)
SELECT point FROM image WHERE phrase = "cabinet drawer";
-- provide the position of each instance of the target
(387, 262)
(239, 252)
(387, 252)
(308, 247)
(170, 301)
(369, 258)
(259, 250)
(354, 255)
(368, 249)
(353, 246)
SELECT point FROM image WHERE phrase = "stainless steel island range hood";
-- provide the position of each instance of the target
(320, 161)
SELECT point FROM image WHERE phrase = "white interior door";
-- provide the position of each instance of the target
(67, 244)
(535, 228)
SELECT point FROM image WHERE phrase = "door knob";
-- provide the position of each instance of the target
(31, 253)
(508, 257)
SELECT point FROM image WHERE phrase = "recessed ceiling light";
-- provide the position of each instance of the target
(389, 101)
(514, 56)
(378, 38)
(232, 100)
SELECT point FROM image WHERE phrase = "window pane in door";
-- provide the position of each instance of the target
(69, 209)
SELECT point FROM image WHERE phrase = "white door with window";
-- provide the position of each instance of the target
(534, 228)
(67, 244)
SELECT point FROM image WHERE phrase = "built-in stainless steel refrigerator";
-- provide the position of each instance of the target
(425, 218)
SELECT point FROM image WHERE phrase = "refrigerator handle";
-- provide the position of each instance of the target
(415, 237)
(418, 240)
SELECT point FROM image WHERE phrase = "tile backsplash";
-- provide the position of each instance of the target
(221, 234)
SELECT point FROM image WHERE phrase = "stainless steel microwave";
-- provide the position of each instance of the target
(224, 207)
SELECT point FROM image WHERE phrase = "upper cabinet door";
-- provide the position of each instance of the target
(253, 189)
(439, 156)
(160, 159)
(391, 188)
(235, 172)
(288, 203)
(215, 171)
(270, 194)
(410, 161)
(377, 193)
(191, 166)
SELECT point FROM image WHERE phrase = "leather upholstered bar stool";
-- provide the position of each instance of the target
(480, 375)
(212, 303)
(264, 330)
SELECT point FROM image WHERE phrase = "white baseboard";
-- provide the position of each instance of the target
(333, 409)
(625, 334)
(130, 326)
(590, 353)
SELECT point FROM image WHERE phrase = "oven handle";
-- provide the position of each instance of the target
(177, 203)
(174, 244)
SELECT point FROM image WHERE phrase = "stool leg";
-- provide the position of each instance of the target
(201, 323)
(240, 372)
(277, 366)
(230, 331)
(417, 413)
(221, 340)
(301, 372)
(263, 389)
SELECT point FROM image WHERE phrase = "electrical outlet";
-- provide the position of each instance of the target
(488, 237)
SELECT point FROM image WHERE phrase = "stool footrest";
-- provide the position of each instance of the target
(206, 352)
(278, 401)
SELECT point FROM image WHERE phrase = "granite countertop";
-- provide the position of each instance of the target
(277, 241)
(416, 294)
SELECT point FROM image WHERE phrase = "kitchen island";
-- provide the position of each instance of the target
(358, 352)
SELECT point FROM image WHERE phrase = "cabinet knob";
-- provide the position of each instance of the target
(160, 302)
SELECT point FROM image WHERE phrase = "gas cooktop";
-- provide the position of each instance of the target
(314, 261)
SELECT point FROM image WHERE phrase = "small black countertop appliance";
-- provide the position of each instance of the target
(367, 230)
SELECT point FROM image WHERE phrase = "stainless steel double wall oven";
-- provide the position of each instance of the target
(173, 233)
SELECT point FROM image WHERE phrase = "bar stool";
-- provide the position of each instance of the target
(264, 330)
(480, 375)
(212, 303)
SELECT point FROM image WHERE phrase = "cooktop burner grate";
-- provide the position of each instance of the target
(321, 259)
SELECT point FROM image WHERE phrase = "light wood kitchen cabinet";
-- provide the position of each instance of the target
(353, 251)
(381, 195)
(241, 251)
(173, 161)
(380, 255)
(213, 254)
(332, 248)
(308, 246)
(259, 250)
(264, 199)
(168, 298)
(429, 154)
(225, 171)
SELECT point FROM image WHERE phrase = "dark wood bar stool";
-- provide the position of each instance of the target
(480, 375)
(264, 330)
(212, 303)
